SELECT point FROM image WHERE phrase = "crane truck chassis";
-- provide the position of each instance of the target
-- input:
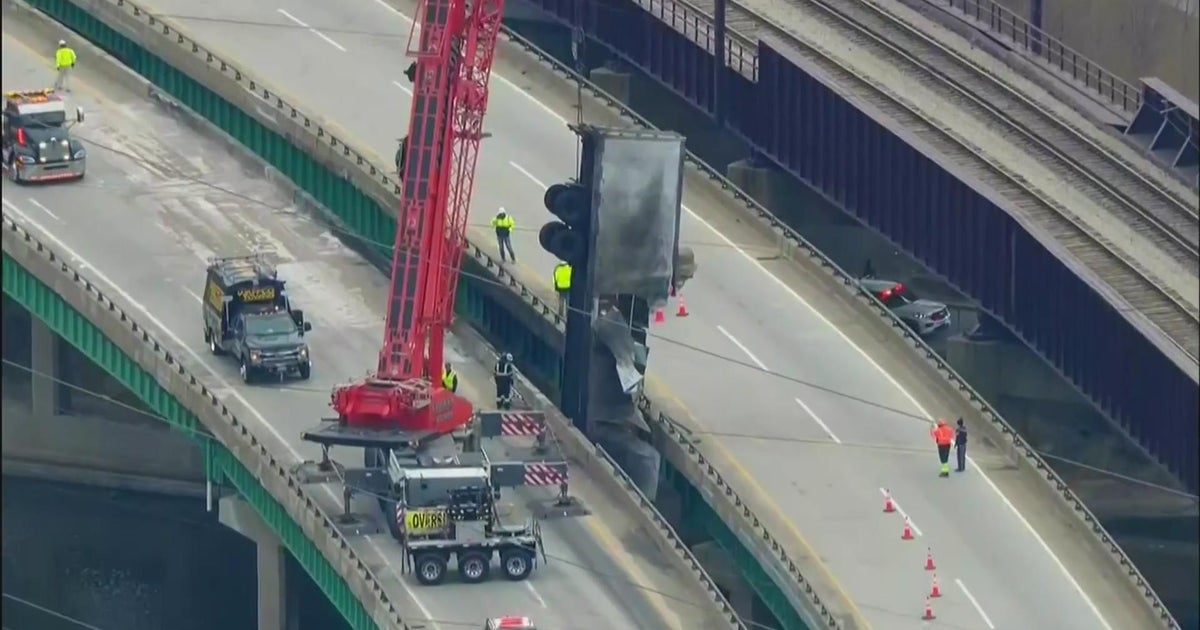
(438, 492)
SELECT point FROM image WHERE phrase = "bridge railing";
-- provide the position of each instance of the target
(1003, 22)
(741, 53)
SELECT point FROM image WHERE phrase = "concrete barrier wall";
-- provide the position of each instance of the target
(530, 309)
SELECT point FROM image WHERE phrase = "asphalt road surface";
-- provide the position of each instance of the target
(159, 199)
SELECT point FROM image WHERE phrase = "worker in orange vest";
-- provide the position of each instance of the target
(943, 435)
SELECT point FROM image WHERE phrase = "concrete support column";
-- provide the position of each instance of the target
(615, 83)
(276, 611)
(757, 181)
(44, 363)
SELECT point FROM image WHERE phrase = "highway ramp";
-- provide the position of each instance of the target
(776, 373)
(160, 198)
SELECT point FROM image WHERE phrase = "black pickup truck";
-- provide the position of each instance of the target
(247, 315)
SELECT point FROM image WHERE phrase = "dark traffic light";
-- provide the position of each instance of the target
(568, 237)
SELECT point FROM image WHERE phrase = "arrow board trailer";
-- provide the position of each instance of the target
(449, 514)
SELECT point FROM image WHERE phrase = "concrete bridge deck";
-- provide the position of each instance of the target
(805, 402)
(160, 198)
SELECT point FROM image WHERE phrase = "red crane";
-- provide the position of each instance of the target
(453, 50)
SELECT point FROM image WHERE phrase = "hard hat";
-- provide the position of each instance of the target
(941, 422)
(501, 212)
(508, 356)
(62, 42)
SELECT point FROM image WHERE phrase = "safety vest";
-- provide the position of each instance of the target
(504, 224)
(503, 368)
(944, 435)
(450, 380)
(562, 277)
(64, 57)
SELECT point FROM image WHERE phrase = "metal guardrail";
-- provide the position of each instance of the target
(1004, 22)
(225, 427)
(799, 244)
(273, 99)
(741, 53)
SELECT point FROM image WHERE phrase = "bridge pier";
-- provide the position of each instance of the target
(277, 608)
(44, 364)
(67, 420)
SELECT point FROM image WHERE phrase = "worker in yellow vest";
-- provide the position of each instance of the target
(449, 378)
(562, 286)
(64, 62)
(504, 224)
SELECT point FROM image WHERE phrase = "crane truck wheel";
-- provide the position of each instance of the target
(517, 564)
(473, 567)
(431, 568)
(213, 346)
(244, 371)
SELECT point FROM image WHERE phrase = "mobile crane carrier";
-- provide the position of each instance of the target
(406, 422)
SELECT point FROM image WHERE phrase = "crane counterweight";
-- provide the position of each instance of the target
(453, 43)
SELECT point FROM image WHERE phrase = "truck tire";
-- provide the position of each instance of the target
(474, 566)
(517, 563)
(305, 371)
(245, 372)
(430, 568)
(213, 346)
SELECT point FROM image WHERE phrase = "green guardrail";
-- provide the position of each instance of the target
(221, 466)
(361, 215)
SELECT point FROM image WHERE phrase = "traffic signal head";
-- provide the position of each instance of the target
(567, 238)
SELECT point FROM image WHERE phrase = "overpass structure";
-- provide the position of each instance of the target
(794, 401)
(115, 265)
(1008, 194)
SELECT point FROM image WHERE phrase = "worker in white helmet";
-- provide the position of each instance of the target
(504, 224)
(64, 62)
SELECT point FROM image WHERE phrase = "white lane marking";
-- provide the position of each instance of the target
(328, 40)
(818, 420)
(743, 348)
(792, 292)
(402, 87)
(526, 173)
(536, 595)
(975, 603)
(896, 504)
(237, 395)
(39, 206)
(192, 295)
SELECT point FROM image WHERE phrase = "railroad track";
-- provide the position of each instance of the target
(1169, 222)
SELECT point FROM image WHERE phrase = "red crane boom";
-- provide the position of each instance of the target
(453, 50)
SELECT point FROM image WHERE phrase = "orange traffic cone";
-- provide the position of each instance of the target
(935, 590)
(889, 506)
(659, 316)
(682, 312)
(907, 533)
(928, 616)
(929, 566)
